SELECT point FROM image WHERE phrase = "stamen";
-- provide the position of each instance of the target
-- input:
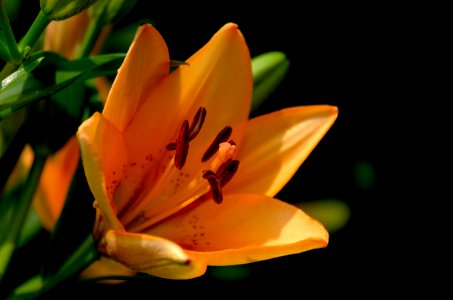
(194, 128)
(221, 137)
(214, 183)
(227, 170)
(197, 122)
(182, 145)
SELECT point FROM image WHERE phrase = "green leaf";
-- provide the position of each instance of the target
(4, 53)
(29, 289)
(235, 272)
(30, 228)
(332, 213)
(20, 80)
(268, 69)
(364, 174)
(28, 85)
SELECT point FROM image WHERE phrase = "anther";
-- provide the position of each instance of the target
(214, 183)
(194, 128)
(182, 145)
(197, 122)
(221, 137)
(226, 171)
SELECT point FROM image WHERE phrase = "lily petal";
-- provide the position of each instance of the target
(219, 78)
(276, 144)
(106, 267)
(243, 229)
(153, 255)
(102, 151)
(55, 182)
(146, 62)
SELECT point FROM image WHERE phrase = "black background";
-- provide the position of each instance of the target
(340, 54)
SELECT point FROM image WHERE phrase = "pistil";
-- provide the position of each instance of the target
(221, 137)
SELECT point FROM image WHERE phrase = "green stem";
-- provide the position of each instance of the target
(27, 42)
(34, 33)
(81, 258)
(9, 35)
(93, 31)
(12, 238)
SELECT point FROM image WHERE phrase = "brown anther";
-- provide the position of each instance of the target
(197, 123)
(227, 170)
(232, 143)
(221, 137)
(182, 145)
(214, 183)
(194, 128)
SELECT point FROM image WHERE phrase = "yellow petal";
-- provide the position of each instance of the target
(101, 149)
(153, 255)
(243, 229)
(276, 144)
(146, 62)
(54, 183)
(219, 78)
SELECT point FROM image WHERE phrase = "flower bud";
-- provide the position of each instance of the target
(63, 9)
(268, 69)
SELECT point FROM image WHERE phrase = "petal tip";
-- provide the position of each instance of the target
(333, 111)
(231, 28)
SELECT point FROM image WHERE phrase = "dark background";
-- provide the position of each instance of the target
(340, 54)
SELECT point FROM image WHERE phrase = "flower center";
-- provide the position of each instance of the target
(228, 166)
(174, 189)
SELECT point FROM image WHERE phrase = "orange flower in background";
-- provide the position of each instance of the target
(66, 36)
(60, 167)
(182, 179)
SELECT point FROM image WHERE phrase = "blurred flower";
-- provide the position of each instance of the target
(57, 33)
(60, 166)
(182, 179)
(67, 36)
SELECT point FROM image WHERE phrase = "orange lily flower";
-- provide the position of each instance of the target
(182, 179)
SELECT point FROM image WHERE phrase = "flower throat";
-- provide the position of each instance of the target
(225, 172)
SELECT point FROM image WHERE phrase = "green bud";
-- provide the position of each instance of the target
(268, 69)
(111, 11)
(62, 9)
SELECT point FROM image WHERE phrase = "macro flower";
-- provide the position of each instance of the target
(181, 177)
